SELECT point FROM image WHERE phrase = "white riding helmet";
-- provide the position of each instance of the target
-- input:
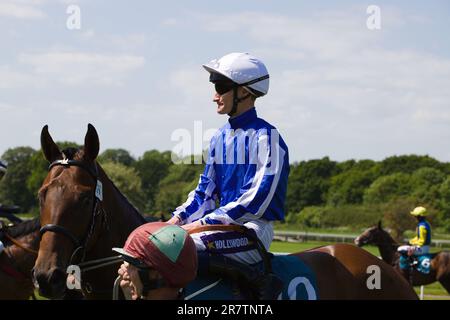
(243, 69)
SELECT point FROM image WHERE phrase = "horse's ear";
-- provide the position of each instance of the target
(379, 225)
(91, 143)
(49, 147)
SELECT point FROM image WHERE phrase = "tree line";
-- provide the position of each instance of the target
(321, 193)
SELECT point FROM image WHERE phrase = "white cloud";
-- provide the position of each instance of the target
(170, 22)
(21, 9)
(128, 41)
(191, 82)
(10, 78)
(342, 91)
(337, 88)
(81, 68)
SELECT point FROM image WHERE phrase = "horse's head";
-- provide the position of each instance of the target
(67, 205)
(373, 235)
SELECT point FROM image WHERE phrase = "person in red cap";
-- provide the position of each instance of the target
(160, 259)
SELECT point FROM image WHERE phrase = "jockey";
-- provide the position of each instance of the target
(160, 260)
(420, 244)
(246, 173)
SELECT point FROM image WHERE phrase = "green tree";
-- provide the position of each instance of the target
(426, 183)
(444, 205)
(308, 183)
(386, 188)
(408, 164)
(121, 156)
(13, 190)
(348, 187)
(152, 167)
(127, 181)
(175, 187)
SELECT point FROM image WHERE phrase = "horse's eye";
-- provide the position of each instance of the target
(85, 199)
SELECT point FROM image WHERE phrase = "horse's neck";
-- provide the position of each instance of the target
(24, 259)
(121, 215)
(388, 248)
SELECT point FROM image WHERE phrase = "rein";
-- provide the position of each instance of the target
(219, 227)
(17, 243)
(11, 268)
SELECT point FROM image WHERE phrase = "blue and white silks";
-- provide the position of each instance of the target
(246, 171)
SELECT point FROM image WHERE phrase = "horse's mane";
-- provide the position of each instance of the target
(388, 236)
(23, 228)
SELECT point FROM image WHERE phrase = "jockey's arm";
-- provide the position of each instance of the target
(200, 200)
(419, 240)
(256, 194)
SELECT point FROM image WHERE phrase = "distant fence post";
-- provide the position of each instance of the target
(421, 292)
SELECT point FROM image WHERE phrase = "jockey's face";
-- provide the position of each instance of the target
(131, 284)
(225, 101)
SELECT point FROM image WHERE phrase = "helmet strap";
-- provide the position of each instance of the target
(236, 100)
(148, 284)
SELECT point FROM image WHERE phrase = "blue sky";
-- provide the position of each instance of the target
(134, 70)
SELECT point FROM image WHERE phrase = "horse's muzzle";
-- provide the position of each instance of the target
(52, 284)
(359, 242)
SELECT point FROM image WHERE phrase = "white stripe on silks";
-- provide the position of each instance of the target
(224, 218)
(250, 194)
(206, 205)
(273, 187)
(181, 208)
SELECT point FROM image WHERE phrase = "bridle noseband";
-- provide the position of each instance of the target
(80, 246)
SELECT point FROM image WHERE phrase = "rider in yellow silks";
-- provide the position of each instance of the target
(420, 244)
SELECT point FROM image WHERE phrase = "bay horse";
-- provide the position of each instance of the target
(440, 262)
(17, 259)
(334, 272)
(83, 216)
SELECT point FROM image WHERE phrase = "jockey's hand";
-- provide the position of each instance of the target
(127, 286)
(174, 220)
(191, 226)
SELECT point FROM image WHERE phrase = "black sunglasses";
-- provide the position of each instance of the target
(223, 87)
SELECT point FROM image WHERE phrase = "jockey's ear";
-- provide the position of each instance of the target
(379, 225)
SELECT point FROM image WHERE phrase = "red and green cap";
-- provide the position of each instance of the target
(167, 248)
